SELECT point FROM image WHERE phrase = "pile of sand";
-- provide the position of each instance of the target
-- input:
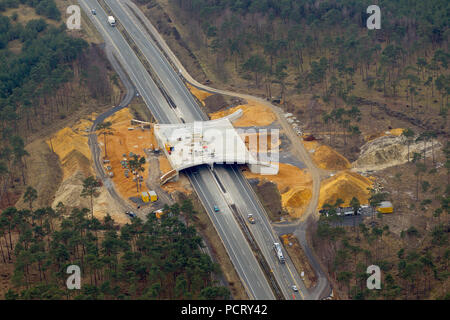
(71, 146)
(329, 159)
(254, 115)
(297, 197)
(200, 94)
(311, 145)
(294, 185)
(390, 150)
(344, 185)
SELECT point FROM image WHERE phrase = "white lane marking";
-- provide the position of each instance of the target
(163, 63)
(253, 204)
(136, 81)
(209, 207)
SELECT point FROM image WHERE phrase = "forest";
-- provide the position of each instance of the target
(343, 82)
(413, 264)
(46, 8)
(324, 49)
(151, 259)
(45, 75)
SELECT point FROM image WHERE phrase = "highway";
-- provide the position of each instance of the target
(204, 182)
(322, 289)
(237, 189)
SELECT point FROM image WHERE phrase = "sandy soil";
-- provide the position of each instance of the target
(182, 185)
(394, 132)
(294, 185)
(325, 157)
(344, 185)
(260, 142)
(70, 145)
(329, 159)
(254, 115)
(122, 142)
(164, 165)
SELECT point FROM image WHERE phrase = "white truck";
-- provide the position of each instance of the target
(111, 21)
(278, 252)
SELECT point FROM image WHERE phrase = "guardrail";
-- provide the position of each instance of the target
(258, 254)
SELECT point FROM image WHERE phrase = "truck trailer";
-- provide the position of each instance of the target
(278, 252)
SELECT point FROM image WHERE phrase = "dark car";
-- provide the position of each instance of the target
(131, 214)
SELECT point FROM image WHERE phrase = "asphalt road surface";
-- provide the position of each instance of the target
(238, 191)
(205, 185)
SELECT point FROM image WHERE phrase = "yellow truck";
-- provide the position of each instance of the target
(385, 207)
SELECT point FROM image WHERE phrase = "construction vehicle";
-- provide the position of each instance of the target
(169, 148)
(279, 252)
(153, 196)
(112, 21)
(250, 218)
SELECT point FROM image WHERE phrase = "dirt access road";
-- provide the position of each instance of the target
(93, 145)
